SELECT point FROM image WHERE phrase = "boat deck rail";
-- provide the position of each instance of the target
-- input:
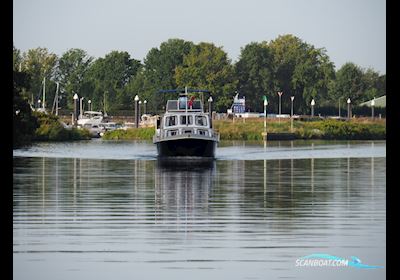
(186, 131)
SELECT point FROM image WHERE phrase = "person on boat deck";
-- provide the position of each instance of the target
(190, 103)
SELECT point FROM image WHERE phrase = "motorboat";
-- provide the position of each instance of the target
(185, 130)
(92, 117)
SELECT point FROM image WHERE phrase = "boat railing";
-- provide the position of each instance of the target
(206, 132)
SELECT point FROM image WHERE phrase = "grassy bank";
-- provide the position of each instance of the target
(251, 129)
(143, 133)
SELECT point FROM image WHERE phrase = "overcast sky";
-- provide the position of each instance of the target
(350, 30)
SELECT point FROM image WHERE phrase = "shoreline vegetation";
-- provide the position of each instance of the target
(252, 129)
(46, 127)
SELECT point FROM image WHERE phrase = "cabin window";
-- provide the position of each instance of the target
(189, 119)
(201, 120)
(170, 121)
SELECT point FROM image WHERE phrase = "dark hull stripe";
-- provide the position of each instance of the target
(187, 147)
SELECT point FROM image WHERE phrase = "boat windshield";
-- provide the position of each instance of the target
(189, 120)
(182, 102)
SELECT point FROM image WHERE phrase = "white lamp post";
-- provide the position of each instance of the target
(81, 107)
(90, 104)
(265, 113)
(280, 94)
(75, 107)
(39, 101)
(291, 111)
(372, 107)
(210, 100)
(145, 102)
(291, 114)
(348, 108)
(136, 111)
(312, 107)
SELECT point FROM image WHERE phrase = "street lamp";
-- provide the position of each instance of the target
(210, 100)
(291, 111)
(291, 114)
(265, 113)
(372, 107)
(90, 104)
(145, 102)
(348, 108)
(39, 101)
(136, 111)
(312, 107)
(75, 105)
(81, 107)
(280, 94)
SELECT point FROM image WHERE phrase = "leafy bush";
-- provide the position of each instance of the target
(50, 129)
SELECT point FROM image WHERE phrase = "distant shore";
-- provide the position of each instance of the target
(253, 129)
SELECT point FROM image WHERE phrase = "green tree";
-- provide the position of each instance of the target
(375, 85)
(255, 73)
(24, 123)
(70, 73)
(301, 70)
(159, 73)
(17, 59)
(109, 76)
(208, 67)
(350, 83)
(40, 64)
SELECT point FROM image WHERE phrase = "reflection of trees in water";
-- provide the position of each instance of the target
(254, 188)
(286, 185)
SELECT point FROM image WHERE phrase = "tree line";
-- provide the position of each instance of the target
(286, 64)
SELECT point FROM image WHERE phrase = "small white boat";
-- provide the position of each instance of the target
(92, 117)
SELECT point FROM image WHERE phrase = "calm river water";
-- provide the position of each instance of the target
(111, 210)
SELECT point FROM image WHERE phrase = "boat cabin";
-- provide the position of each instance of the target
(185, 129)
(184, 116)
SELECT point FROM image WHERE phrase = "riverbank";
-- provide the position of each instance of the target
(252, 129)
(330, 129)
(47, 127)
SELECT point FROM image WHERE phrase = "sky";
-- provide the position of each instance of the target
(349, 30)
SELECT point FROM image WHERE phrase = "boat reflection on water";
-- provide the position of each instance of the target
(183, 187)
